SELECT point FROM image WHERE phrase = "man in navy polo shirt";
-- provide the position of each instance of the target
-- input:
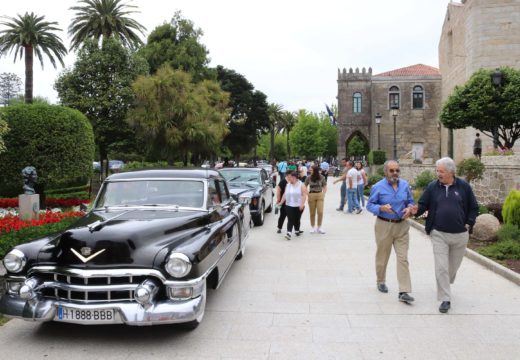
(392, 202)
(452, 211)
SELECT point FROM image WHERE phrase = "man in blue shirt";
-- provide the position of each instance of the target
(282, 169)
(324, 168)
(392, 202)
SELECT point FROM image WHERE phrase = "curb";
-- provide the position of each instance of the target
(482, 260)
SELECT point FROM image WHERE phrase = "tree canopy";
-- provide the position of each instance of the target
(102, 19)
(100, 86)
(178, 117)
(487, 107)
(178, 45)
(10, 86)
(313, 136)
(27, 35)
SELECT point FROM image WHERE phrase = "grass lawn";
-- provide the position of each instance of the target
(3, 320)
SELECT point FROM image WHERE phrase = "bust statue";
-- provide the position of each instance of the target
(29, 179)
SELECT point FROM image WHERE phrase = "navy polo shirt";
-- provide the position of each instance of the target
(450, 216)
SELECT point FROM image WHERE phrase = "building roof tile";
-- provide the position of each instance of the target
(414, 70)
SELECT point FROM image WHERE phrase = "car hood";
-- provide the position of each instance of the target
(248, 192)
(122, 238)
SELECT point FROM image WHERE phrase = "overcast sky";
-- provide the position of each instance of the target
(288, 49)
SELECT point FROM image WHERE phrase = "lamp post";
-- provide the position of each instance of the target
(378, 122)
(496, 78)
(395, 114)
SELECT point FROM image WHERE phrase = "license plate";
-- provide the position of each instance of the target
(85, 316)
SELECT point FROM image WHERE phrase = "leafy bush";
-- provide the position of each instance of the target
(511, 209)
(67, 190)
(381, 171)
(471, 168)
(509, 232)
(423, 179)
(372, 179)
(496, 210)
(56, 140)
(75, 195)
(482, 209)
(502, 250)
(377, 157)
(13, 238)
(138, 165)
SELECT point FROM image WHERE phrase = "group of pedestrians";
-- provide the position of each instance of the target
(449, 201)
(353, 182)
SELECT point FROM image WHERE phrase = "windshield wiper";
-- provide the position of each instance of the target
(235, 178)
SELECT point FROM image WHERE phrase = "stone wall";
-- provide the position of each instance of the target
(476, 34)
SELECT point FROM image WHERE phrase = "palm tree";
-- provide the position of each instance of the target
(102, 19)
(275, 112)
(29, 34)
(289, 120)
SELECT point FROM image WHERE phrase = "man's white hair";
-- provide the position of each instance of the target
(448, 164)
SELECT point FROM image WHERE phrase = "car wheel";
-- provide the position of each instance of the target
(258, 220)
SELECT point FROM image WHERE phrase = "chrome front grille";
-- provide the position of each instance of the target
(89, 289)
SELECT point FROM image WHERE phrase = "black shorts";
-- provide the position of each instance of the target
(477, 151)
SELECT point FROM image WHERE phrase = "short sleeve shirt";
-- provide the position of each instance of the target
(316, 186)
(353, 173)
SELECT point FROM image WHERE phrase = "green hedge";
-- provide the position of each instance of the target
(74, 195)
(56, 140)
(508, 245)
(11, 239)
(423, 179)
(511, 208)
(376, 157)
(67, 190)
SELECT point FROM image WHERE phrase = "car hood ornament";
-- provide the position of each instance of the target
(84, 250)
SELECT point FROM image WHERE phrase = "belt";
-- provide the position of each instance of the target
(390, 220)
(314, 192)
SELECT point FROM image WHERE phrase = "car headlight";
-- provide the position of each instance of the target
(14, 261)
(178, 265)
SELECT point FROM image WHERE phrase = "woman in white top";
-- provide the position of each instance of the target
(362, 181)
(294, 197)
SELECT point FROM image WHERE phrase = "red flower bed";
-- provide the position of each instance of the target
(49, 202)
(14, 223)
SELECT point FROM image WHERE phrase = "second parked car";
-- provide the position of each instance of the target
(254, 183)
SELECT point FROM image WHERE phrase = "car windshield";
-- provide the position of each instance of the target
(183, 193)
(241, 176)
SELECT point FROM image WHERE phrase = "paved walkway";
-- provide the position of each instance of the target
(313, 297)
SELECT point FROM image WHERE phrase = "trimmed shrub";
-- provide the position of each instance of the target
(56, 140)
(423, 179)
(511, 209)
(372, 179)
(381, 171)
(376, 157)
(509, 232)
(471, 168)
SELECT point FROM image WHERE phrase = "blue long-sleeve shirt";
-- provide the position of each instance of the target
(383, 193)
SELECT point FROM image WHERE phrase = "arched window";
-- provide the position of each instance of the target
(393, 97)
(356, 102)
(418, 97)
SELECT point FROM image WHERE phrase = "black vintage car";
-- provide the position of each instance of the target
(255, 184)
(144, 255)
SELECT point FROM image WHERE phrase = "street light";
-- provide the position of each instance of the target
(395, 114)
(496, 78)
(378, 122)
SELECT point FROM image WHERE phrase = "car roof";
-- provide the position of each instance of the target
(195, 173)
(240, 168)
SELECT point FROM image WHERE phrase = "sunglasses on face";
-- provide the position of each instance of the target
(397, 171)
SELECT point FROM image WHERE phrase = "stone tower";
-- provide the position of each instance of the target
(354, 106)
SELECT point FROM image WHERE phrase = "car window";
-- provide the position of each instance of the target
(241, 176)
(213, 195)
(224, 194)
(186, 193)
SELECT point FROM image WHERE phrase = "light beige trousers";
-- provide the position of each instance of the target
(448, 251)
(393, 234)
(316, 205)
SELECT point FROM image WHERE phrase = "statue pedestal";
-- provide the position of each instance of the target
(29, 206)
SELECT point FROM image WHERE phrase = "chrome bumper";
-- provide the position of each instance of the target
(161, 312)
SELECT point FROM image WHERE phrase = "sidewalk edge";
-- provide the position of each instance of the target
(482, 260)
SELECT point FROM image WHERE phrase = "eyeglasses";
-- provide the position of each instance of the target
(394, 171)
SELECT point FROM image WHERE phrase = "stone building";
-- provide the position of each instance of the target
(476, 34)
(415, 90)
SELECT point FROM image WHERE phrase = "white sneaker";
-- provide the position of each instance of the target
(321, 231)
(314, 230)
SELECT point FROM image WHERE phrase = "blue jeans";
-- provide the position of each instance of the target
(360, 194)
(353, 203)
(343, 195)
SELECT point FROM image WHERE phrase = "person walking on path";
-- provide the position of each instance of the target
(294, 198)
(280, 190)
(452, 211)
(343, 189)
(362, 181)
(324, 166)
(282, 169)
(392, 202)
(477, 147)
(352, 188)
(317, 189)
